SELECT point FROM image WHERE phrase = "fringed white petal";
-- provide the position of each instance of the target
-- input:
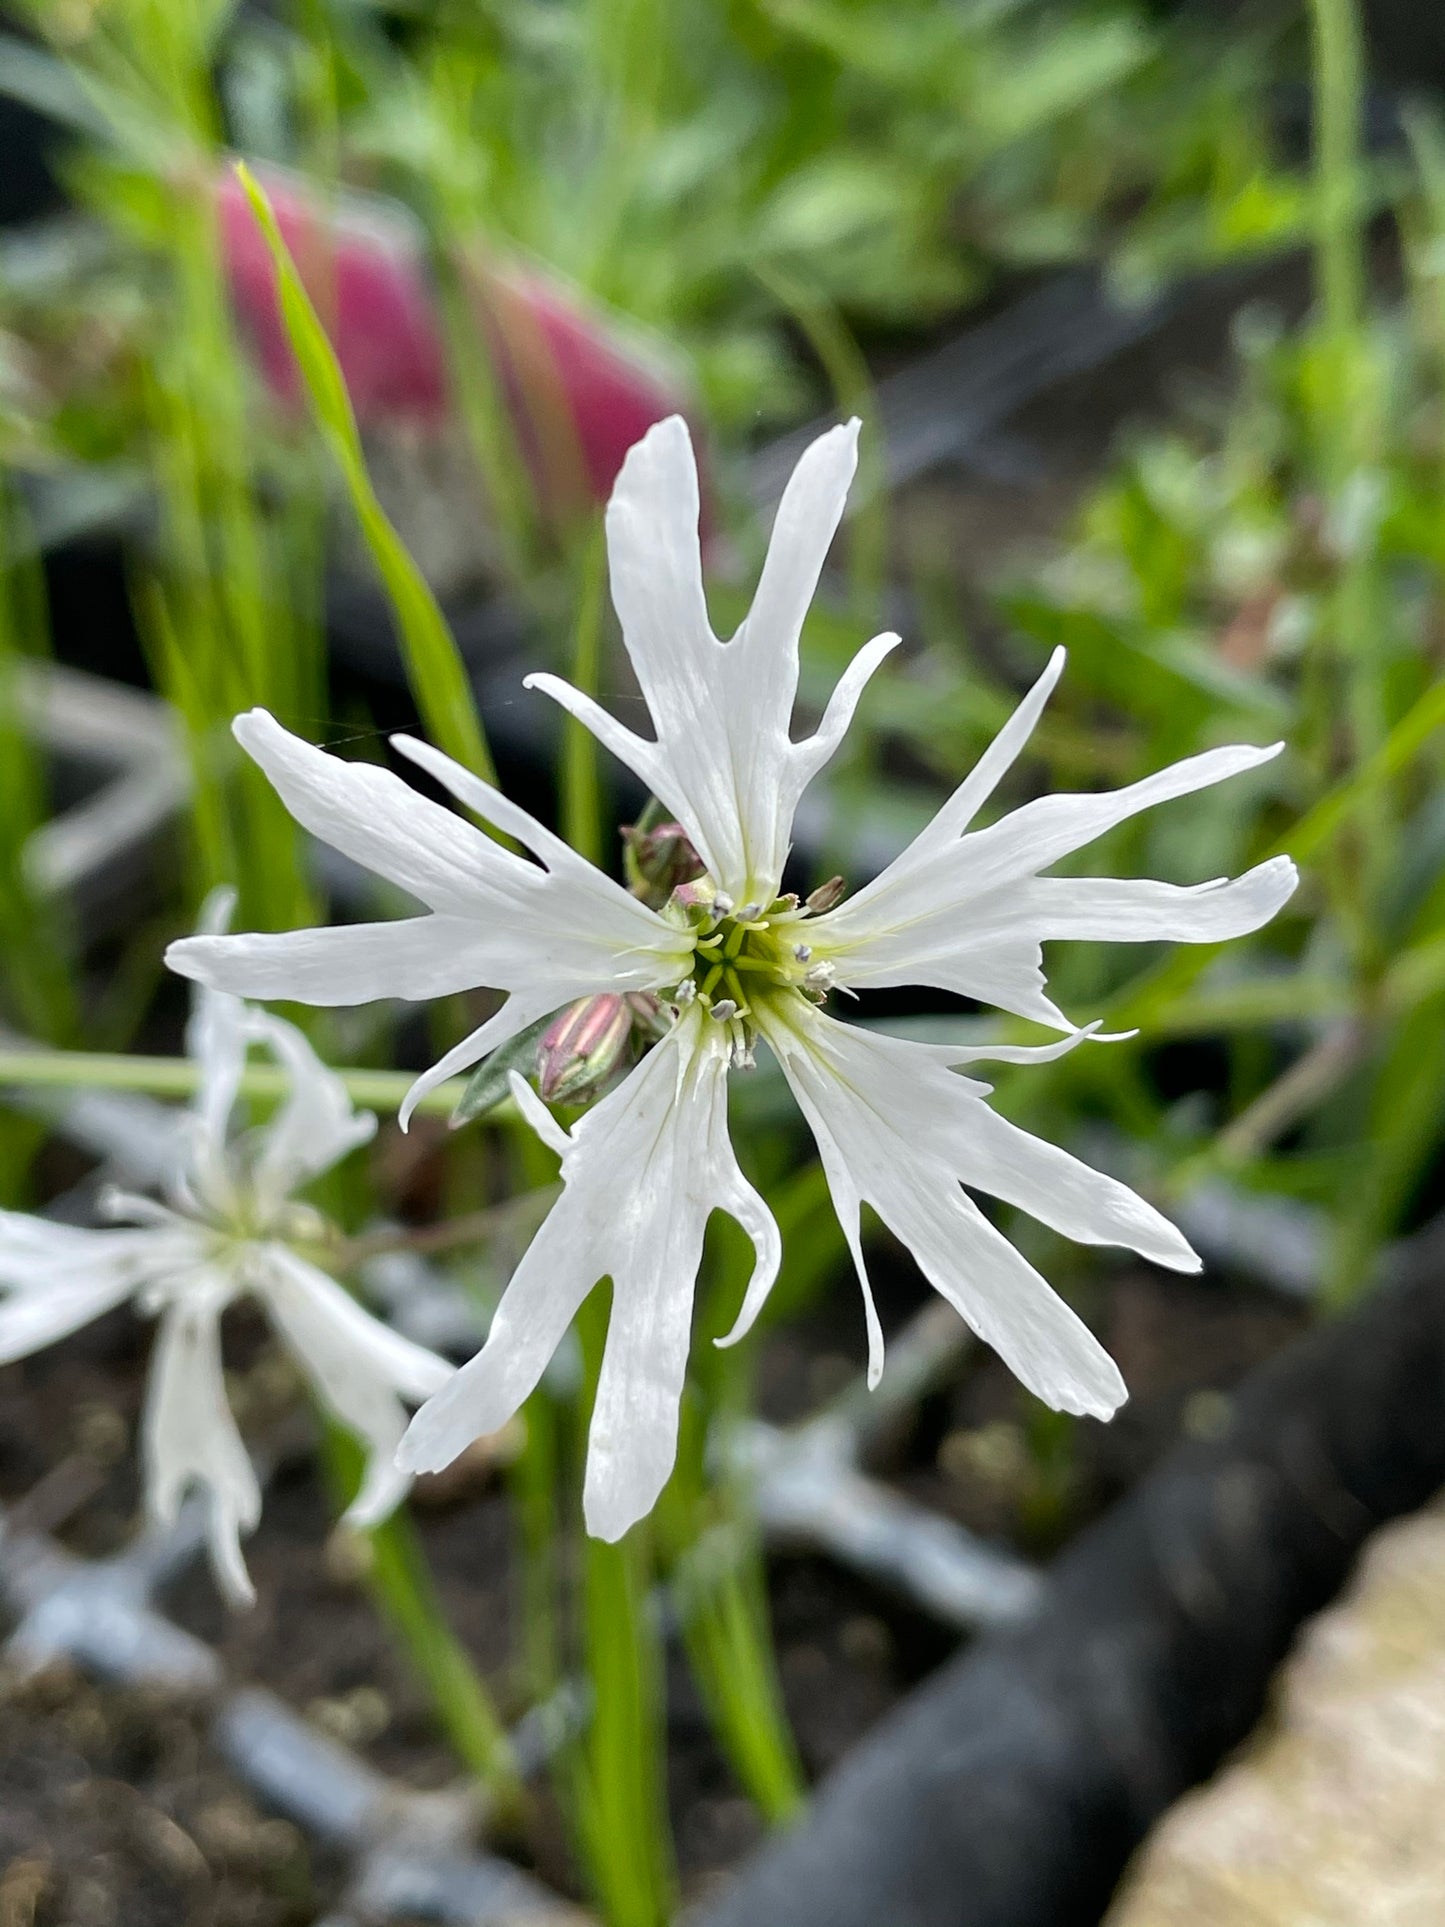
(546, 932)
(642, 1173)
(965, 911)
(216, 1040)
(361, 1369)
(646, 760)
(807, 519)
(1041, 832)
(655, 562)
(316, 1126)
(900, 1131)
(380, 822)
(538, 1116)
(190, 1439)
(997, 760)
(1139, 910)
(507, 1023)
(54, 1278)
(722, 758)
(412, 959)
(810, 755)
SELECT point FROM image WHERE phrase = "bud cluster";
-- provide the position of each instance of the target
(657, 856)
(741, 954)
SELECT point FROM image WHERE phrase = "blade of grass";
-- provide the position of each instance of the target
(35, 961)
(435, 669)
(581, 780)
(726, 1630)
(618, 1778)
(401, 1582)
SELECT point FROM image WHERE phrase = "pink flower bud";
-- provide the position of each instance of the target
(582, 1047)
(659, 858)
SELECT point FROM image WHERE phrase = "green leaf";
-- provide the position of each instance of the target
(434, 664)
(487, 1087)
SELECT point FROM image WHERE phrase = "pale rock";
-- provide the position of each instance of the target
(1331, 1817)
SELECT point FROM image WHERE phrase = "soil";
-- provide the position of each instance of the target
(113, 1801)
(114, 1813)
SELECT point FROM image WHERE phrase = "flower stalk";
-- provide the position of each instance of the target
(181, 1077)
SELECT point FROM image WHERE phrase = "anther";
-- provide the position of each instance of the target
(802, 951)
(749, 911)
(826, 895)
(722, 904)
(685, 991)
(820, 977)
(724, 1009)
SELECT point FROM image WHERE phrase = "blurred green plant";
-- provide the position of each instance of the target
(711, 170)
(1276, 570)
(37, 987)
(226, 597)
(761, 182)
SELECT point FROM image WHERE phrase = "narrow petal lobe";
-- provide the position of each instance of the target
(642, 1172)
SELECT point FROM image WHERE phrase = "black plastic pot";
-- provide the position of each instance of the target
(1011, 1788)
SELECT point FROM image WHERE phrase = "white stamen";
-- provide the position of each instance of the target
(724, 1009)
(722, 904)
(685, 991)
(802, 951)
(749, 911)
(820, 977)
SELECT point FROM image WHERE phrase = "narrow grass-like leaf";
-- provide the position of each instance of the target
(434, 665)
(34, 964)
(619, 1772)
(402, 1585)
(581, 781)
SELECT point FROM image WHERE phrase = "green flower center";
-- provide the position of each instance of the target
(751, 956)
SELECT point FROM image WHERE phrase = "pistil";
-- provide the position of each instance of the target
(747, 957)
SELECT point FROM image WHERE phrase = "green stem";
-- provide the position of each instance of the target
(181, 1077)
(1348, 421)
(716, 1572)
(398, 1576)
(1339, 96)
(723, 1605)
(1411, 734)
(35, 960)
(619, 1779)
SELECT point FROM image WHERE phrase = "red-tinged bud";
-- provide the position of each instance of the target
(658, 859)
(582, 1047)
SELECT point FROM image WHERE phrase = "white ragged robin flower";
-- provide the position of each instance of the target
(229, 1227)
(733, 960)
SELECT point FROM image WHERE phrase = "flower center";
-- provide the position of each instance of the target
(239, 1211)
(750, 956)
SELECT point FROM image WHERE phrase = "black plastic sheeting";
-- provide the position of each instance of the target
(1010, 1789)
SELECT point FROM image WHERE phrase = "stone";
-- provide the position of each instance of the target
(1331, 1814)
